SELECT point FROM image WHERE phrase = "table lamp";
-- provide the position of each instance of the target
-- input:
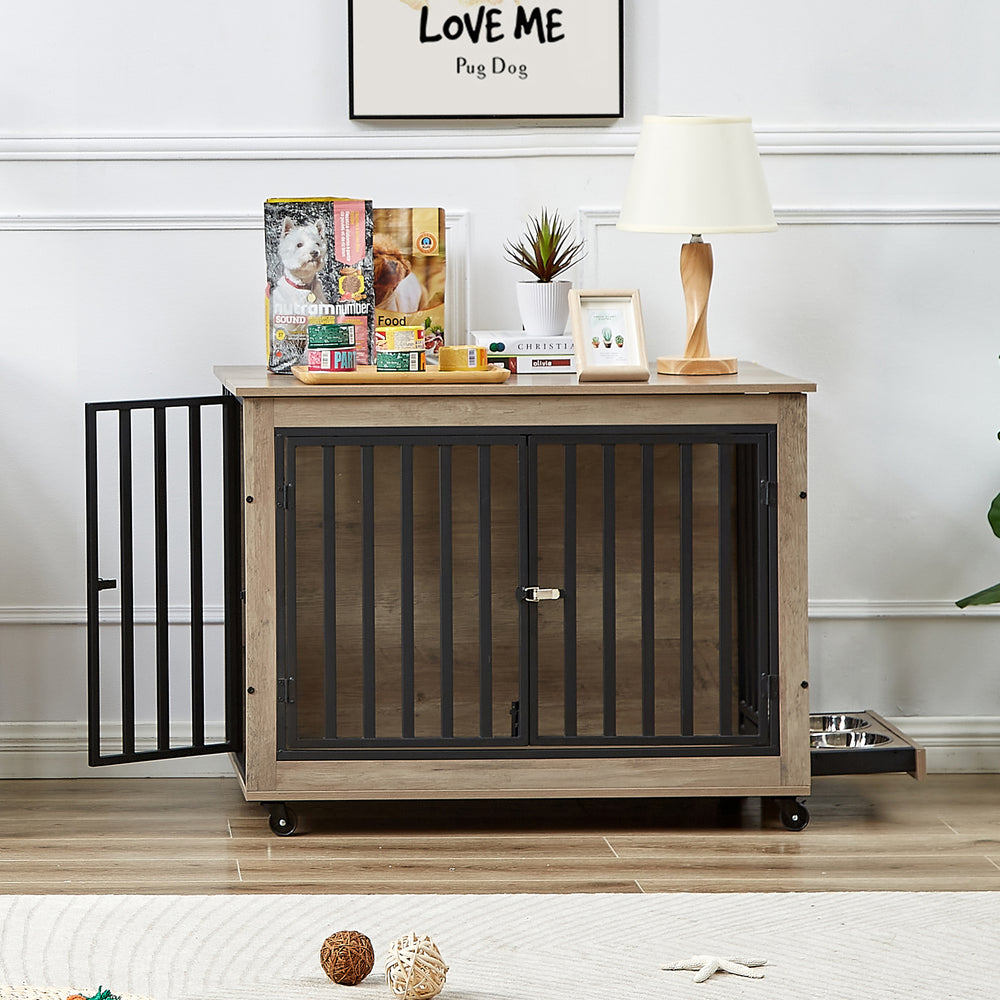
(696, 175)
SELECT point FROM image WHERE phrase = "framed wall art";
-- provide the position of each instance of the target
(608, 336)
(497, 59)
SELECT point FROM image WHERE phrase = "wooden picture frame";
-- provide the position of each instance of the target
(608, 335)
(493, 59)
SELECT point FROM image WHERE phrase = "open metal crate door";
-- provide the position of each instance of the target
(163, 578)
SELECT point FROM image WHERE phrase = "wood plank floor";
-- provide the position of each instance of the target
(122, 835)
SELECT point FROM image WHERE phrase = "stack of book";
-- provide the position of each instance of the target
(527, 355)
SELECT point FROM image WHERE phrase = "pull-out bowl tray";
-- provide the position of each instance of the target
(862, 743)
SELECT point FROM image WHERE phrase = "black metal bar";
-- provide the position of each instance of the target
(126, 579)
(686, 591)
(570, 708)
(368, 591)
(161, 571)
(760, 583)
(768, 622)
(127, 405)
(406, 589)
(288, 669)
(647, 593)
(509, 748)
(725, 589)
(232, 556)
(171, 753)
(746, 597)
(93, 590)
(447, 628)
(284, 584)
(524, 718)
(329, 528)
(609, 594)
(485, 594)
(196, 561)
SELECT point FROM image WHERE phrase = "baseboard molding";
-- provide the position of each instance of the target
(954, 744)
(59, 750)
(847, 610)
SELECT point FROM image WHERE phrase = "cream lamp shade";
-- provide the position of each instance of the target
(697, 175)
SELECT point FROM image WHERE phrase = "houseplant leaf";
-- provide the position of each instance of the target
(991, 595)
(994, 515)
(547, 248)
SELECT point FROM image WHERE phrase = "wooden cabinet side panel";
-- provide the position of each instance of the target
(259, 565)
(793, 591)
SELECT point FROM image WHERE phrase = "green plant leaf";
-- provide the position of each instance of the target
(547, 248)
(991, 595)
(994, 515)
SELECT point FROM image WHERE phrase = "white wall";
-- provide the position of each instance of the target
(137, 143)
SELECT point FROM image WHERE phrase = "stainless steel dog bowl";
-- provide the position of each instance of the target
(837, 723)
(861, 742)
(848, 739)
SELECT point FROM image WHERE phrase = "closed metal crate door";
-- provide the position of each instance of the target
(401, 560)
(660, 548)
(551, 593)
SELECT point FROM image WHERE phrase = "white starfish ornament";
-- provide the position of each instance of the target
(706, 965)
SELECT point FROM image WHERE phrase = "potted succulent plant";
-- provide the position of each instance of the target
(991, 595)
(545, 250)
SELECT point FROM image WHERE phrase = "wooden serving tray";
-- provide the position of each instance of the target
(369, 374)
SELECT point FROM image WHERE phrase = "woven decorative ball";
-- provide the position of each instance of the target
(347, 957)
(414, 969)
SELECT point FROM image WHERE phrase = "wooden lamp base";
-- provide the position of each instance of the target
(696, 366)
(696, 279)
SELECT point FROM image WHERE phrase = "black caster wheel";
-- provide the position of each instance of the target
(793, 814)
(281, 819)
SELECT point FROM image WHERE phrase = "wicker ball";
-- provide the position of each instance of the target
(347, 957)
(414, 969)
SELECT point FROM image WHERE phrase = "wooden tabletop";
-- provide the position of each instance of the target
(256, 380)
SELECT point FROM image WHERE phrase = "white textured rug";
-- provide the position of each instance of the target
(516, 947)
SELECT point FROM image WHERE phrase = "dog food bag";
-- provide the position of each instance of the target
(409, 272)
(319, 260)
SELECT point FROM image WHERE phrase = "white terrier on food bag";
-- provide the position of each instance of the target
(302, 249)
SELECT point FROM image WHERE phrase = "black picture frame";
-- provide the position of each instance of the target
(442, 60)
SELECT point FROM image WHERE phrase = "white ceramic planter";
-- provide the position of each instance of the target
(544, 307)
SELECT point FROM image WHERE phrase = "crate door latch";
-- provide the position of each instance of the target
(536, 594)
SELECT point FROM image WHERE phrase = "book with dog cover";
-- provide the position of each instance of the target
(409, 270)
(319, 264)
